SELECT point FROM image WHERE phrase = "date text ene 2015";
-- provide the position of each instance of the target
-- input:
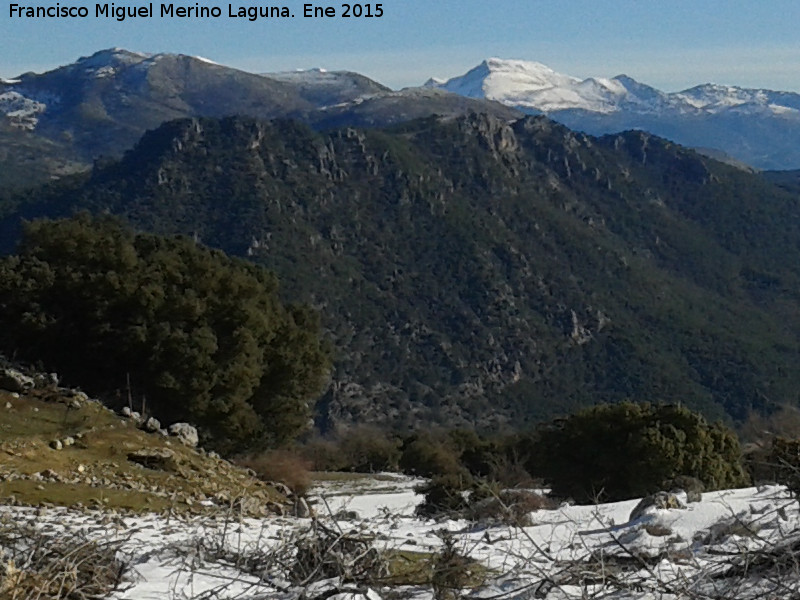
(346, 11)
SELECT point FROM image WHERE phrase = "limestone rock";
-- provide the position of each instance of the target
(693, 487)
(15, 381)
(301, 509)
(152, 425)
(161, 459)
(659, 500)
(185, 433)
(347, 515)
(45, 380)
(56, 445)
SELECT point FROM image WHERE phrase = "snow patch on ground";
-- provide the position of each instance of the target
(558, 556)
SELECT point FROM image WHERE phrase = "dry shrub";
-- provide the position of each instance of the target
(510, 471)
(281, 466)
(507, 507)
(761, 429)
(452, 571)
(325, 553)
(70, 566)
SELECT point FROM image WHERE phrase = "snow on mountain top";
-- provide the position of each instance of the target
(316, 76)
(305, 74)
(535, 87)
(205, 60)
(112, 57)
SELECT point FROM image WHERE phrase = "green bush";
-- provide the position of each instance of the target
(783, 463)
(203, 337)
(444, 494)
(425, 456)
(369, 450)
(620, 451)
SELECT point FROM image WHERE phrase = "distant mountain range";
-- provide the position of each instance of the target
(61, 121)
(755, 126)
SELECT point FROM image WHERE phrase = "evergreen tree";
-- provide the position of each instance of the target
(619, 451)
(203, 337)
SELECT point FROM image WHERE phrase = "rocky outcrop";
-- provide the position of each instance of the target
(15, 381)
(186, 434)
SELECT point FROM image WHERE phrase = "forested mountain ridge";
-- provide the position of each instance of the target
(472, 271)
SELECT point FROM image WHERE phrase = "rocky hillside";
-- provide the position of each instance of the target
(475, 272)
(59, 447)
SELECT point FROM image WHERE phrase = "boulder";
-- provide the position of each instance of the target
(152, 425)
(185, 433)
(45, 380)
(346, 515)
(14, 381)
(692, 486)
(160, 459)
(659, 500)
(301, 509)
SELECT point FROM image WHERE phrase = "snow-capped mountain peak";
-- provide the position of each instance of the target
(534, 87)
(111, 57)
(513, 82)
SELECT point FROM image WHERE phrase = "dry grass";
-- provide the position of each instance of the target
(97, 469)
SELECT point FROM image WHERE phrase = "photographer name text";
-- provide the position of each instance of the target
(194, 11)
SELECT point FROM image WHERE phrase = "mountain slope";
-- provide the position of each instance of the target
(758, 127)
(471, 271)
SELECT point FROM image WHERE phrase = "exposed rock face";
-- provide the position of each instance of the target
(185, 433)
(15, 381)
(500, 268)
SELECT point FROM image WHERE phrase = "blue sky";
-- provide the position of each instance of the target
(671, 44)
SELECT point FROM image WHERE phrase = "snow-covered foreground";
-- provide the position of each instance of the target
(716, 548)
